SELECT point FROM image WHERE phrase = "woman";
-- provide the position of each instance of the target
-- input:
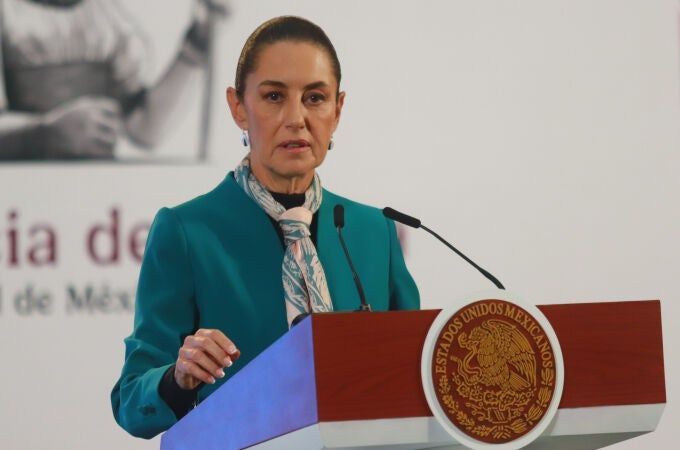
(71, 78)
(225, 274)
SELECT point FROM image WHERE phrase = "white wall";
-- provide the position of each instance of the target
(541, 137)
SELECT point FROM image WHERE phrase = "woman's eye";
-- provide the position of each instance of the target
(316, 98)
(273, 96)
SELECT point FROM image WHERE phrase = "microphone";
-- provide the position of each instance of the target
(339, 220)
(415, 223)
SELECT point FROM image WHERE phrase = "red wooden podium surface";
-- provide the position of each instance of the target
(366, 367)
(613, 355)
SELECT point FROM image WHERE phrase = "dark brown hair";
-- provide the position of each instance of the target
(278, 29)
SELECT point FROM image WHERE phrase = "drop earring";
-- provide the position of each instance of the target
(244, 138)
(331, 144)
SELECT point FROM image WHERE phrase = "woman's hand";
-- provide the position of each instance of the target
(203, 357)
(219, 7)
(86, 127)
(205, 14)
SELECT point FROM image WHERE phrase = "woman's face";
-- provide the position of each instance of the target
(290, 110)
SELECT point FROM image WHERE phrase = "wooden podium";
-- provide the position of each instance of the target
(352, 380)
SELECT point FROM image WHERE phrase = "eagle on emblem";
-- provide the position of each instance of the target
(499, 355)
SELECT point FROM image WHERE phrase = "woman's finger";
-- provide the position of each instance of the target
(199, 358)
(227, 349)
(185, 370)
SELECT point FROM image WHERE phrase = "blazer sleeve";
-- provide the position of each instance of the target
(403, 290)
(165, 313)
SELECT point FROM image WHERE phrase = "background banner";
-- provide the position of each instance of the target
(541, 138)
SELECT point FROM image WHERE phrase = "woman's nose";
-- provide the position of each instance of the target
(295, 114)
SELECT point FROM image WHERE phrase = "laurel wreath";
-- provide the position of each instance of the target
(498, 431)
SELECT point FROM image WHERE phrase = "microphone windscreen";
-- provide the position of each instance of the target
(339, 216)
(401, 217)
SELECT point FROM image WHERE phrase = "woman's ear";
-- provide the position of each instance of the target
(237, 109)
(338, 107)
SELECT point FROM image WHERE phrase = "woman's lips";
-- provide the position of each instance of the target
(296, 146)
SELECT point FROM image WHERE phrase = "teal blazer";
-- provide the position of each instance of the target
(215, 262)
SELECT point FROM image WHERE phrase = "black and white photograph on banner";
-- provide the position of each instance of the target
(538, 138)
(97, 80)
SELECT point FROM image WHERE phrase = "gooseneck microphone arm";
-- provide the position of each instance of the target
(415, 223)
(339, 220)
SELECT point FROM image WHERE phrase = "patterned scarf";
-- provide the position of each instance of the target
(304, 281)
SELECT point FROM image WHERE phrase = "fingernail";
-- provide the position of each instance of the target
(229, 362)
(220, 373)
(212, 380)
(231, 350)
